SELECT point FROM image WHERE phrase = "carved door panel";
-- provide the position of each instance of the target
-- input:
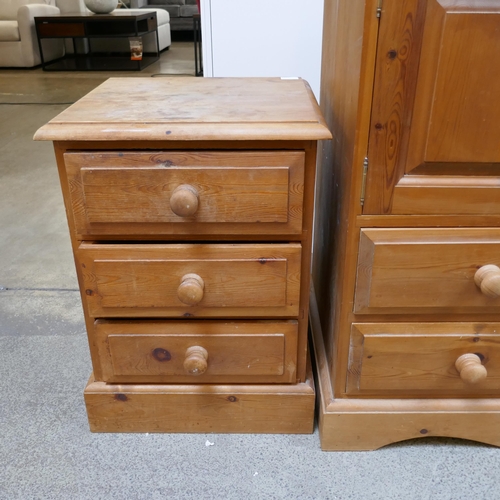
(435, 129)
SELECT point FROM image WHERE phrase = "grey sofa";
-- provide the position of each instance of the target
(181, 11)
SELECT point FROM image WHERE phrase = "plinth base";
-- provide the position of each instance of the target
(266, 409)
(367, 424)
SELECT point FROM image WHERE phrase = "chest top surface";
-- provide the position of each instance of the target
(191, 109)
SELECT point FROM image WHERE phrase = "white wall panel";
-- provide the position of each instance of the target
(263, 38)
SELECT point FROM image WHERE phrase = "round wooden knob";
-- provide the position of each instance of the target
(184, 200)
(487, 278)
(196, 361)
(190, 291)
(470, 368)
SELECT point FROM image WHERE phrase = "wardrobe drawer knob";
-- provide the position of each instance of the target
(196, 361)
(184, 200)
(470, 368)
(487, 278)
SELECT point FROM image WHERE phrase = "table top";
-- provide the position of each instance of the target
(188, 108)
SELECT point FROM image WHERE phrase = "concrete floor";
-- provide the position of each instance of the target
(46, 449)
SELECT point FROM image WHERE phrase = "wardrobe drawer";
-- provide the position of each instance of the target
(197, 351)
(183, 280)
(419, 359)
(427, 271)
(186, 193)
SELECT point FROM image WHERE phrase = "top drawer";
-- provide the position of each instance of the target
(181, 193)
(406, 271)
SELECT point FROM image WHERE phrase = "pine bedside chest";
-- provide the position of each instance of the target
(190, 205)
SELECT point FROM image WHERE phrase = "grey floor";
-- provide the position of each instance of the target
(46, 449)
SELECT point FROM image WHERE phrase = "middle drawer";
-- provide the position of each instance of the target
(191, 280)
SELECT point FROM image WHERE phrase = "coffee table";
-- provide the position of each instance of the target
(88, 26)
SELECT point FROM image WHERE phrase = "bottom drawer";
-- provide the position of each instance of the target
(420, 359)
(197, 351)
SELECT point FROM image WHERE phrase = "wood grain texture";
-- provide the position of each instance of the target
(143, 195)
(121, 193)
(428, 221)
(273, 409)
(349, 48)
(421, 120)
(455, 128)
(396, 70)
(305, 266)
(354, 424)
(59, 151)
(463, 123)
(369, 424)
(238, 352)
(191, 109)
(419, 358)
(431, 40)
(142, 279)
(424, 270)
(447, 195)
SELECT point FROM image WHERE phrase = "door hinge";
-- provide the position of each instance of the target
(363, 181)
(379, 8)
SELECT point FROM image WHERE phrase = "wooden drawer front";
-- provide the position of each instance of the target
(48, 29)
(237, 280)
(413, 358)
(425, 270)
(130, 193)
(146, 352)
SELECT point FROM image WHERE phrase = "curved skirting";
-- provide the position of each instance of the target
(367, 424)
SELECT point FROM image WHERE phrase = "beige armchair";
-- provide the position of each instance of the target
(18, 40)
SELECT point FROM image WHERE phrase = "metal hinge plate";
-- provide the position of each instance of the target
(379, 8)
(363, 181)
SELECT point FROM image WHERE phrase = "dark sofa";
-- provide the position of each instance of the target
(181, 11)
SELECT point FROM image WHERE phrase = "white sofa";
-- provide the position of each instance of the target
(162, 17)
(18, 41)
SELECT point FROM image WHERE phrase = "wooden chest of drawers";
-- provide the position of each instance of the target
(406, 302)
(190, 206)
